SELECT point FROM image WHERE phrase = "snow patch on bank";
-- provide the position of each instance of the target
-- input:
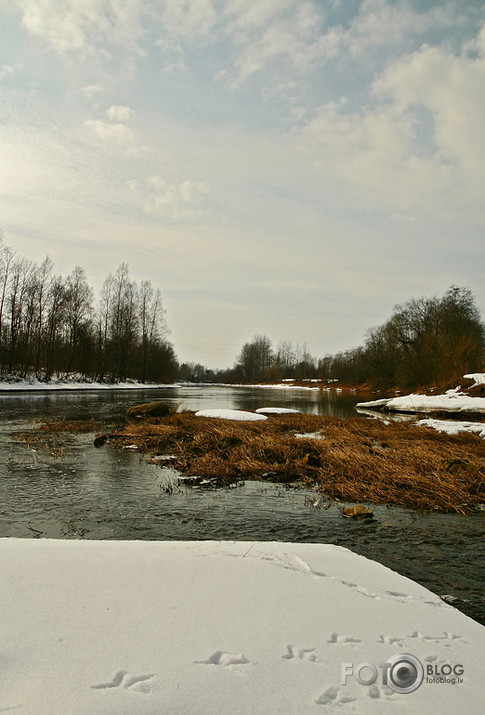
(454, 427)
(450, 401)
(279, 386)
(218, 627)
(56, 385)
(479, 378)
(277, 411)
(225, 414)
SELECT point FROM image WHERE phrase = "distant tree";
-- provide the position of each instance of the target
(427, 341)
(439, 338)
(48, 324)
(256, 359)
(305, 363)
(153, 327)
(78, 300)
(286, 359)
(54, 325)
(103, 316)
(18, 288)
(6, 258)
(43, 281)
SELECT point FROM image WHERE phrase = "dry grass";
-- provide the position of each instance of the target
(358, 460)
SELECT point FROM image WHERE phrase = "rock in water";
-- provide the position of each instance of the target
(149, 409)
(358, 512)
(100, 440)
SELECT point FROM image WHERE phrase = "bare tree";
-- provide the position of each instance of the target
(79, 310)
(55, 322)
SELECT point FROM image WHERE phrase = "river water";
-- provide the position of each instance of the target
(83, 492)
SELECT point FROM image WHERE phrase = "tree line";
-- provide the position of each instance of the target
(426, 342)
(51, 325)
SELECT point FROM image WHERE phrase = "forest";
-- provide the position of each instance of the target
(52, 325)
(426, 342)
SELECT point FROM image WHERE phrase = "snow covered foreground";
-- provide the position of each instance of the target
(220, 627)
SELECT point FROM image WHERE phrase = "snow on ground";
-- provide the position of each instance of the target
(225, 414)
(280, 386)
(36, 385)
(309, 435)
(451, 401)
(277, 411)
(454, 427)
(222, 627)
(479, 378)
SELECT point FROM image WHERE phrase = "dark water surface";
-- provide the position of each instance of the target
(83, 492)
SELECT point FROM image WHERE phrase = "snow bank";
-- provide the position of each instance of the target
(453, 427)
(277, 411)
(219, 627)
(479, 377)
(279, 386)
(451, 401)
(238, 415)
(35, 385)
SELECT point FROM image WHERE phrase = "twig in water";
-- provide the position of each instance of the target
(35, 532)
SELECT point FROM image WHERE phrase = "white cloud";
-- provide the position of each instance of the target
(450, 87)
(178, 198)
(292, 36)
(119, 113)
(422, 148)
(380, 23)
(73, 25)
(247, 15)
(110, 132)
(6, 70)
(293, 33)
(92, 90)
(188, 19)
(114, 132)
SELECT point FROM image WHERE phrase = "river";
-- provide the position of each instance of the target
(83, 492)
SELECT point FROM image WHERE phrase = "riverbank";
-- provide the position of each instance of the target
(217, 627)
(13, 384)
(471, 385)
(353, 460)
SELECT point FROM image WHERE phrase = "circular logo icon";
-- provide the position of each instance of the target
(405, 673)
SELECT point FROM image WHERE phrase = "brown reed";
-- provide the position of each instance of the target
(352, 460)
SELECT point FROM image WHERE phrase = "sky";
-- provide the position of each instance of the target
(293, 168)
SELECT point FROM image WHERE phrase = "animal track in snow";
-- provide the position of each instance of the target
(295, 653)
(346, 640)
(436, 660)
(332, 696)
(391, 640)
(134, 682)
(295, 563)
(447, 638)
(220, 657)
(375, 692)
(114, 683)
